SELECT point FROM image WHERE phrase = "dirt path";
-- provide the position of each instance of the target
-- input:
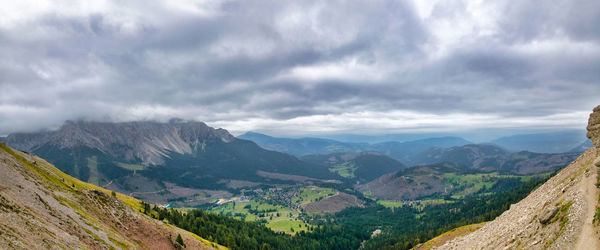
(588, 238)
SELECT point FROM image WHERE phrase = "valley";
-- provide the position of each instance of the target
(329, 191)
(299, 125)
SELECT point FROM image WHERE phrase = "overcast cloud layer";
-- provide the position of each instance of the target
(294, 67)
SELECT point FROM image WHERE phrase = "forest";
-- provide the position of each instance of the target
(402, 227)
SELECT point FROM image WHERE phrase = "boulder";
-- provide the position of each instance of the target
(548, 215)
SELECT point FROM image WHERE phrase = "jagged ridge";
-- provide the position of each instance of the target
(148, 142)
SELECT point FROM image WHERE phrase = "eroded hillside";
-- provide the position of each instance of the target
(43, 208)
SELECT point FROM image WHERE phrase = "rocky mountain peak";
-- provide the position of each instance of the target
(593, 127)
(145, 141)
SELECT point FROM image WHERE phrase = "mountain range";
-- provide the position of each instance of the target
(146, 157)
(449, 171)
(560, 214)
(305, 146)
(186, 158)
(553, 142)
(357, 166)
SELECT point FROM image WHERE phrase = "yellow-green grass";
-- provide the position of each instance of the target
(239, 210)
(447, 236)
(282, 219)
(312, 194)
(471, 183)
(131, 166)
(429, 202)
(345, 169)
(390, 204)
(287, 225)
(204, 241)
(53, 178)
(92, 163)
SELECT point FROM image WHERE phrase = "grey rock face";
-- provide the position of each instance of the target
(593, 127)
(148, 142)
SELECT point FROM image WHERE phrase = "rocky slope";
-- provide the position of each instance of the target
(148, 142)
(146, 158)
(558, 215)
(42, 208)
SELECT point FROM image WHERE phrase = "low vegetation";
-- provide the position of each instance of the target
(401, 227)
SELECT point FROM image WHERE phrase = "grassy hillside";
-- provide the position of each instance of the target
(356, 166)
(48, 208)
(443, 181)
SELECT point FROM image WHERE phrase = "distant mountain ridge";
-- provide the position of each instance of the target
(430, 177)
(132, 155)
(308, 146)
(552, 142)
(148, 142)
(403, 151)
(302, 146)
(484, 157)
(360, 166)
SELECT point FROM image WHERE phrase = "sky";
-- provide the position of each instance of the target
(302, 67)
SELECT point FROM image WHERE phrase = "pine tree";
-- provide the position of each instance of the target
(179, 240)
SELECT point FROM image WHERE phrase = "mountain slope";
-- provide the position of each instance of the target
(188, 153)
(360, 166)
(555, 142)
(492, 158)
(302, 146)
(464, 170)
(582, 147)
(560, 214)
(403, 151)
(145, 142)
(43, 208)
(553, 216)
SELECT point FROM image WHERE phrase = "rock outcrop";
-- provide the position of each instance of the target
(594, 127)
(146, 141)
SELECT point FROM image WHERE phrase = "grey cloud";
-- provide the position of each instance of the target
(95, 65)
(528, 20)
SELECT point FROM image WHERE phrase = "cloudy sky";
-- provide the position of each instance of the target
(302, 67)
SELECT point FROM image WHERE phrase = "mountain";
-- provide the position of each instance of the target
(560, 214)
(412, 183)
(555, 142)
(42, 208)
(378, 138)
(302, 146)
(147, 143)
(154, 158)
(400, 151)
(360, 166)
(403, 151)
(489, 158)
(463, 170)
(582, 147)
